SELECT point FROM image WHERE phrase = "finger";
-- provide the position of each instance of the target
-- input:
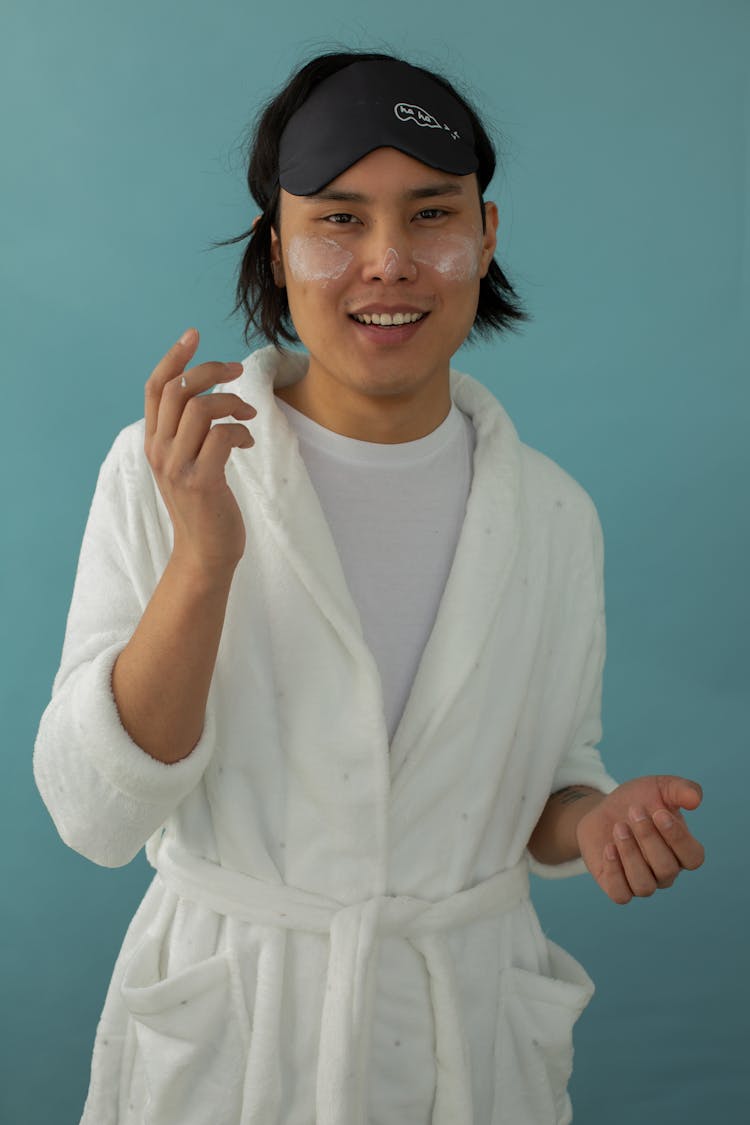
(219, 443)
(175, 396)
(677, 836)
(680, 793)
(196, 420)
(657, 854)
(613, 881)
(170, 366)
(639, 875)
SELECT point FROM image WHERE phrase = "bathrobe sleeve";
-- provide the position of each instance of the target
(582, 763)
(104, 793)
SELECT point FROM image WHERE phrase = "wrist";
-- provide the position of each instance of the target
(200, 574)
(555, 837)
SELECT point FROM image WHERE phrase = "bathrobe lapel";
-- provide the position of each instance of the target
(484, 555)
(473, 592)
(277, 475)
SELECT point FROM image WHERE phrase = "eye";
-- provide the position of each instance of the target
(340, 218)
(431, 212)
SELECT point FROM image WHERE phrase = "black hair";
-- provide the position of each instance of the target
(265, 304)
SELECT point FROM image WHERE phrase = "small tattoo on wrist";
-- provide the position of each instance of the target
(570, 794)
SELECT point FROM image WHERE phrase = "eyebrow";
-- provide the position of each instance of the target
(429, 191)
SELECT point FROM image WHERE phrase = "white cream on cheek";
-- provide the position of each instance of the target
(316, 258)
(455, 256)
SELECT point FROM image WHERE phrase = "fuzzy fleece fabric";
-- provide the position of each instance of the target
(338, 930)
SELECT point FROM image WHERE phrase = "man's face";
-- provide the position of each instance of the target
(389, 235)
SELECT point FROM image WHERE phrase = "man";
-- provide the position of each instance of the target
(353, 671)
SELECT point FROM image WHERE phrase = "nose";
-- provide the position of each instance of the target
(388, 258)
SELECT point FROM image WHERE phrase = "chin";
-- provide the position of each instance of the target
(392, 371)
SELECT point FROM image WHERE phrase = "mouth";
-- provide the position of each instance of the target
(388, 320)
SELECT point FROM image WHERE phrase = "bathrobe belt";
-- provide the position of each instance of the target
(348, 999)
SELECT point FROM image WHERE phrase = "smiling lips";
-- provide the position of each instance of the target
(385, 319)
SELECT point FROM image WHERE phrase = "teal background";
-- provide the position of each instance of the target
(623, 194)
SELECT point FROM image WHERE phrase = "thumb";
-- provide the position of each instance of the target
(680, 792)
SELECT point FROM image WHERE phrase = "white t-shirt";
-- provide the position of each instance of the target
(395, 513)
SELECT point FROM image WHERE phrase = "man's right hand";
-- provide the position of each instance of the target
(188, 455)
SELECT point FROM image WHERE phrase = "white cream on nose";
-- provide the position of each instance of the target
(391, 265)
(316, 258)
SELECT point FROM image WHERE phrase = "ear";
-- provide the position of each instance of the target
(489, 242)
(277, 264)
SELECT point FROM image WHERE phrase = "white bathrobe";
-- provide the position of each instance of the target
(339, 930)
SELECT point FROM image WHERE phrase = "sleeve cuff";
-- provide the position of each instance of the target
(113, 753)
(556, 870)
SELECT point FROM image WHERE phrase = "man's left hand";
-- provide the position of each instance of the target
(636, 841)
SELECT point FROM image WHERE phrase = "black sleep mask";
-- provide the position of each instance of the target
(370, 105)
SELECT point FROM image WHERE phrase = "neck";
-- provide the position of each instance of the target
(387, 419)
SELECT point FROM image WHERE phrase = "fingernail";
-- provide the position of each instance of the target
(610, 852)
(235, 368)
(662, 819)
(622, 831)
(638, 814)
(187, 336)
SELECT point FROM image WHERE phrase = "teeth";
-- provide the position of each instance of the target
(386, 318)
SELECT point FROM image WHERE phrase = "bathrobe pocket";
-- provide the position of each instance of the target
(534, 1044)
(192, 1035)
